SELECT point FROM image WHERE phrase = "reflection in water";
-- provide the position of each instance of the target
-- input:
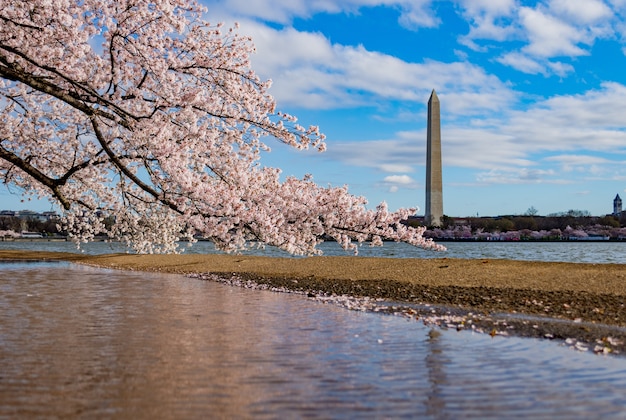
(435, 363)
(77, 341)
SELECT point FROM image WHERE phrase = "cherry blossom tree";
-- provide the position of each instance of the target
(143, 112)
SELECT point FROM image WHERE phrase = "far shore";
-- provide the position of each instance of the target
(584, 302)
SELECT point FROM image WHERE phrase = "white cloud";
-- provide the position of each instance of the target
(530, 65)
(564, 133)
(519, 176)
(310, 72)
(468, 147)
(399, 179)
(584, 12)
(592, 120)
(578, 160)
(395, 167)
(515, 145)
(395, 182)
(278, 11)
(315, 66)
(522, 62)
(618, 4)
(547, 29)
(586, 164)
(403, 152)
(549, 36)
(417, 14)
(413, 14)
(560, 69)
(488, 19)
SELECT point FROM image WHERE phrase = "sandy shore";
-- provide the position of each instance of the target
(580, 302)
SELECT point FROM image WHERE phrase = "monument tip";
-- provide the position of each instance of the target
(433, 96)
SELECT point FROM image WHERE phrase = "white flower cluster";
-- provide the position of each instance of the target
(144, 122)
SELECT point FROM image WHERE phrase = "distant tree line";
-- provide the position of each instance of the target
(509, 223)
(529, 226)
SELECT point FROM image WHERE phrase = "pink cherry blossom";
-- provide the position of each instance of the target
(145, 122)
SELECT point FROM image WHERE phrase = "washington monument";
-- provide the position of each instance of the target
(434, 188)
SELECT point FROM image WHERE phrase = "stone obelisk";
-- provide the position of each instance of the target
(434, 188)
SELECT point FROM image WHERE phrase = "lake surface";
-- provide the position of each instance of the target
(570, 251)
(90, 343)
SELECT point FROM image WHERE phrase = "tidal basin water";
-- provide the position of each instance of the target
(568, 251)
(81, 342)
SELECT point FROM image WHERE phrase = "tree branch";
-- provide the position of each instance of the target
(15, 72)
(51, 183)
(118, 163)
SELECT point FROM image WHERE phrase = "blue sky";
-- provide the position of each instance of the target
(533, 97)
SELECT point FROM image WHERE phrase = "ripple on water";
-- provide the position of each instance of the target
(81, 341)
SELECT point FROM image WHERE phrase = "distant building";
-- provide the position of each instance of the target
(617, 206)
(50, 215)
(30, 214)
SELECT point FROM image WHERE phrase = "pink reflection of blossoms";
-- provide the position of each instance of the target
(145, 122)
(595, 232)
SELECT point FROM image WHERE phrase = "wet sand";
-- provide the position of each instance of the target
(580, 302)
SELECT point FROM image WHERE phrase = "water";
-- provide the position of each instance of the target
(91, 343)
(588, 252)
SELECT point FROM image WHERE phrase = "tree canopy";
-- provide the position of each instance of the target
(142, 111)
